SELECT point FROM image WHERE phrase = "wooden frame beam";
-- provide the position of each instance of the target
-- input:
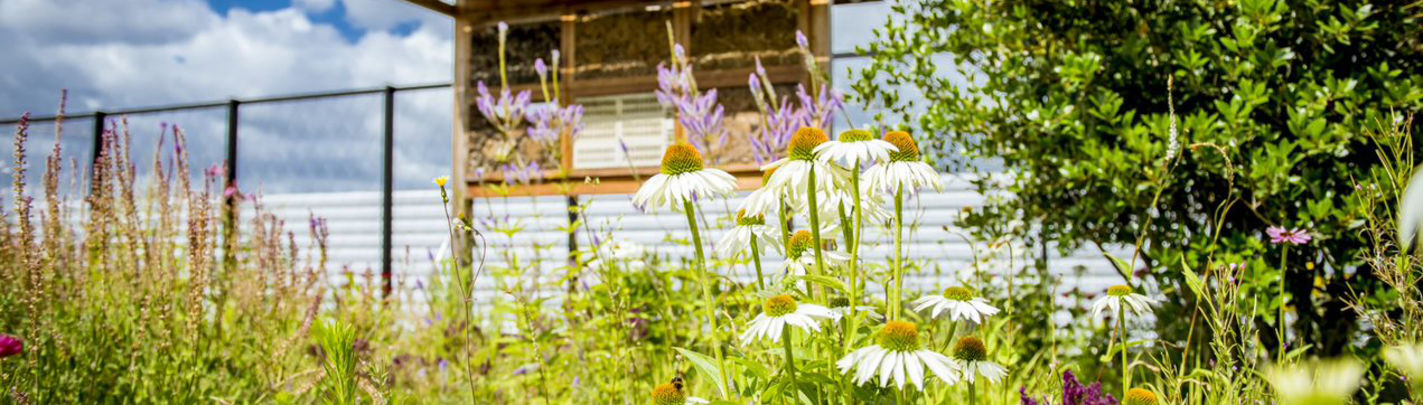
(436, 6)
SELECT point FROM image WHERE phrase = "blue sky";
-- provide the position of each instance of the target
(133, 53)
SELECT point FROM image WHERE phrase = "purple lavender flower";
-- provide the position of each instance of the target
(540, 67)
(1024, 398)
(801, 40)
(505, 112)
(10, 346)
(1280, 235)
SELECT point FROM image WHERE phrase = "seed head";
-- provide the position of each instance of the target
(899, 336)
(958, 294)
(1119, 291)
(1138, 396)
(908, 150)
(970, 348)
(803, 143)
(668, 394)
(856, 135)
(744, 220)
(681, 158)
(780, 305)
(800, 242)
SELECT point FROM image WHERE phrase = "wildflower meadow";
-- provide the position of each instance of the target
(1245, 169)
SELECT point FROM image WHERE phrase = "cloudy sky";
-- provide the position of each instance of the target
(133, 53)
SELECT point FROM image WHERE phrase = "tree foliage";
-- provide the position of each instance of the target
(1273, 100)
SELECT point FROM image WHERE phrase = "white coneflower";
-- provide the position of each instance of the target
(905, 169)
(800, 258)
(1138, 396)
(897, 354)
(959, 304)
(684, 178)
(1121, 296)
(1316, 382)
(972, 356)
(856, 148)
(764, 201)
(792, 173)
(672, 394)
(738, 240)
(782, 310)
(841, 307)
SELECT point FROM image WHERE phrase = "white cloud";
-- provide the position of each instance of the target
(386, 14)
(152, 52)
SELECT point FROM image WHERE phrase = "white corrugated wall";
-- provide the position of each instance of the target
(420, 233)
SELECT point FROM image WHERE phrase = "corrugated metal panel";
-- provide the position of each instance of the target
(420, 234)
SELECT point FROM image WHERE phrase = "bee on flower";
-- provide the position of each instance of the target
(672, 393)
(959, 303)
(905, 169)
(684, 178)
(1121, 296)
(899, 355)
(781, 311)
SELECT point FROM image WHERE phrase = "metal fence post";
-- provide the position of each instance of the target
(99, 117)
(387, 193)
(229, 205)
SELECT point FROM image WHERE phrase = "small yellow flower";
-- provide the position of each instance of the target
(442, 180)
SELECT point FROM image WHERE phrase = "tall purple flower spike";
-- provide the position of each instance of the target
(540, 67)
(782, 118)
(1074, 393)
(700, 114)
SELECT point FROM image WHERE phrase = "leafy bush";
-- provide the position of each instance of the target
(1265, 125)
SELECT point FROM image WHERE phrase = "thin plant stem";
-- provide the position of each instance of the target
(897, 297)
(814, 209)
(465, 292)
(705, 281)
(972, 393)
(756, 258)
(1122, 339)
(852, 326)
(1280, 322)
(790, 358)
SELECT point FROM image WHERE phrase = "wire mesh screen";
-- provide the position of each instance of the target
(204, 131)
(76, 150)
(319, 145)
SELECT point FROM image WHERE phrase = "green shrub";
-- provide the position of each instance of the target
(1074, 99)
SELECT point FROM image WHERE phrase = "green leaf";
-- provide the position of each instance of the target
(1192, 280)
(706, 366)
(826, 281)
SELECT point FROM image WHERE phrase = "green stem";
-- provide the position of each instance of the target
(1280, 321)
(756, 258)
(814, 209)
(790, 358)
(898, 254)
(701, 266)
(1122, 338)
(973, 394)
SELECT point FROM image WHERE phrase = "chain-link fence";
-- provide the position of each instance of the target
(344, 155)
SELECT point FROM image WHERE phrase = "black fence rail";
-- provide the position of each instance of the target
(230, 156)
